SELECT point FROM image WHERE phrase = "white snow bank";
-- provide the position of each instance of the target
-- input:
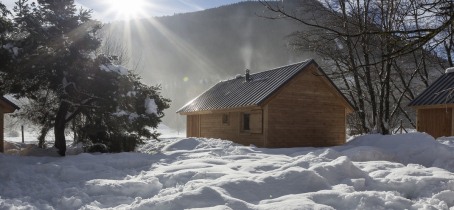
(370, 172)
(448, 141)
(184, 144)
(133, 188)
(367, 153)
(419, 148)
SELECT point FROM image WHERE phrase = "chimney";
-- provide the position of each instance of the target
(248, 77)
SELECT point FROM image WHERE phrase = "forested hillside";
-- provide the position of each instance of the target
(205, 47)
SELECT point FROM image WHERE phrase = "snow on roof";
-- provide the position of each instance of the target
(449, 70)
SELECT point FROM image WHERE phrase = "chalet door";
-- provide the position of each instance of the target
(193, 126)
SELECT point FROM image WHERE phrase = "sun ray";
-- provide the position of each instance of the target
(126, 10)
(191, 52)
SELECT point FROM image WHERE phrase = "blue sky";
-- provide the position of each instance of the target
(111, 10)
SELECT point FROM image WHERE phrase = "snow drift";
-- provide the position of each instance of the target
(408, 171)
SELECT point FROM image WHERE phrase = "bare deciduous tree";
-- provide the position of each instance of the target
(178, 123)
(379, 52)
(114, 46)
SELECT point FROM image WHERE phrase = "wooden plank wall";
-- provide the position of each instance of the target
(306, 113)
(193, 128)
(212, 127)
(256, 121)
(436, 122)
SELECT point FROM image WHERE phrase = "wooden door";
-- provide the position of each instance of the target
(193, 126)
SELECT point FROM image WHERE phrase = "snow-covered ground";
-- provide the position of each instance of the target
(407, 171)
(31, 135)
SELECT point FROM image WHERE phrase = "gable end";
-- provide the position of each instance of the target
(331, 86)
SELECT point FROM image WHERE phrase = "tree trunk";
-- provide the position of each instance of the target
(354, 69)
(59, 129)
(42, 136)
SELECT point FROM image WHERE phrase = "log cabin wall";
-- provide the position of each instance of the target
(213, 126)
(437, 122)
(307, 113)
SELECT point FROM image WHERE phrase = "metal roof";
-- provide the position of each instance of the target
(9, 102)
(237, 92)
(428, 97)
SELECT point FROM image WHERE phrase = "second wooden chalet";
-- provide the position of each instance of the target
(6, 107)
(290, 106)
(435, 107)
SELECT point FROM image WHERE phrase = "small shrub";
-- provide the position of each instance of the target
(102, 148)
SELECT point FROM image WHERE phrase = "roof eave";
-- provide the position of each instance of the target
(312, 61)
(9, 103)
(230, 109)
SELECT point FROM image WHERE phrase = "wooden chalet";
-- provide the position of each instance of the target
(434, 113)
(290, 106)
(6, 107)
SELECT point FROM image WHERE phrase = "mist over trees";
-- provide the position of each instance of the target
(205, 47)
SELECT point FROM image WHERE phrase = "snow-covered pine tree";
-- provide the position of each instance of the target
(56, 48)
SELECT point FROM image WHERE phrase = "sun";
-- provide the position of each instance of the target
(128, 8)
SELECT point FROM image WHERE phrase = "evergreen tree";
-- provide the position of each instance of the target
(108, 103)
(6, 27)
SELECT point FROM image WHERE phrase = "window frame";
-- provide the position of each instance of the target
(226, 119)
(241, 123)
(248, 122)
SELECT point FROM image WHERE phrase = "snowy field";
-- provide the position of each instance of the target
(31, 135)
(407, 171)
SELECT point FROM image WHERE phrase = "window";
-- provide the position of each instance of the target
(246, 118)
(225, 119)
(250, 122)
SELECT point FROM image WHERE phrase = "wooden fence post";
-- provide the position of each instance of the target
(401, 128)
(22, 127)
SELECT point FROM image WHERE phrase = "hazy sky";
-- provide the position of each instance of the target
(111, 10)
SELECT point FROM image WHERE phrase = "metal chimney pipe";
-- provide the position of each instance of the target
(248, 75)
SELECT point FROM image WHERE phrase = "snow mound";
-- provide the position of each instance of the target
(9, 146)
(131, 188)
(408, 171)
(183, 144)
(34, 150)
(448, 141)
(75, 149)
(419, 148)
(446, 163)
(368, 153)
